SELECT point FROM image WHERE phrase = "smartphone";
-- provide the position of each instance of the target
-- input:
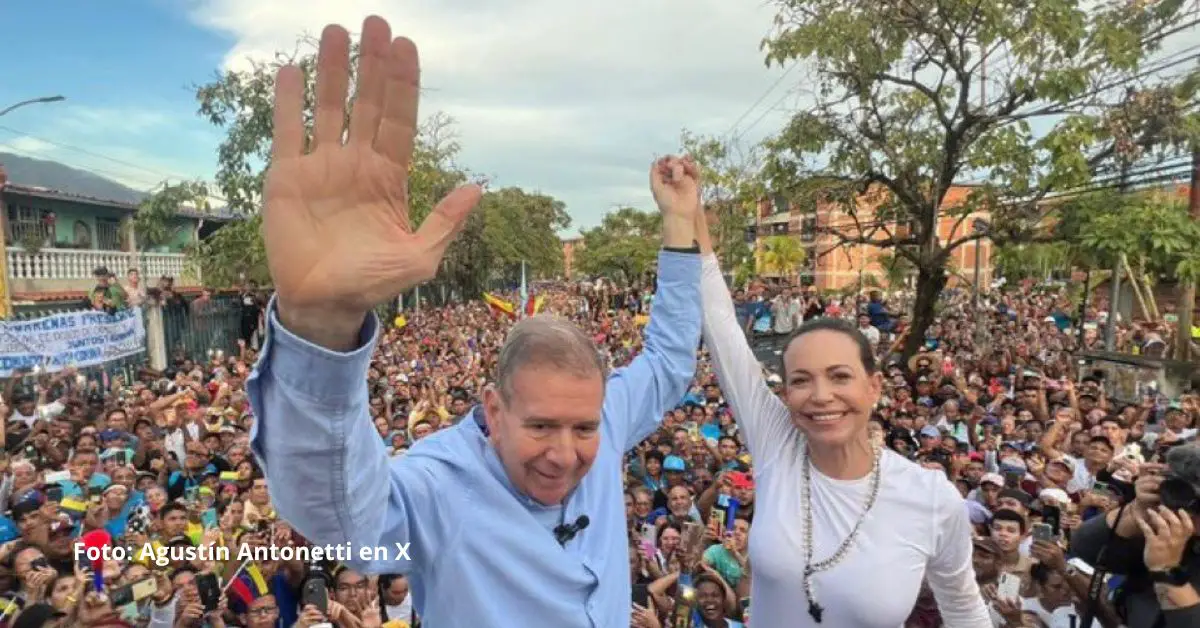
(54, 494)
(95, 493)
(717, 514)
(191, 494)
(315, 593)
(1052, 516)
(209, 588)
(39, 563)
(1009, 587)
(136, 592)
(1043, 532)
(641, 595)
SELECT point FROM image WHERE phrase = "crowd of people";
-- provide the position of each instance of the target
(1041, 455)
(986, 480)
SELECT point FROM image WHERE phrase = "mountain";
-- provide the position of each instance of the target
(55, 176)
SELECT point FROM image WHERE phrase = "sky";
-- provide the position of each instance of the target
(573, 99)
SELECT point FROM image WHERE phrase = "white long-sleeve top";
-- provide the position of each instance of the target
(918, 528)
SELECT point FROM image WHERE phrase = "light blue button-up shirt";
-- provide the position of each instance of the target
(481, 553)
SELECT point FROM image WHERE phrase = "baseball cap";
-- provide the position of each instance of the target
(674, 463)
(991, 478)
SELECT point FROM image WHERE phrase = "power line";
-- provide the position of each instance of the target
(98, 171)
(761, 98)
(85, 151)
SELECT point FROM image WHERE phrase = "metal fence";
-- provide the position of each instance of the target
(187, 332)
(191, 332)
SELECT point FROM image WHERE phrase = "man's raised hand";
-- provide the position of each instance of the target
(338, 234)
(675, 183)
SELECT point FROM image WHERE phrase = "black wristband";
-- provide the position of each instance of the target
(694, 248)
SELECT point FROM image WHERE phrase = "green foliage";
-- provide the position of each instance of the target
(155, 222)
(1037, 260)
(1165, 242)
(896, 269)
(511, 225)
(623, 247)
(912, 96)
(233, 251)
(524, 227)
(781, 256)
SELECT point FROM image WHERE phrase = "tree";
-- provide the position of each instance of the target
(523, 227)
(896, 270)
(156, 221)
(1037, 261)
(623, 247)
(730, 194)
(911, 96)
(1164, 244)
(240, 103)
(781, 256)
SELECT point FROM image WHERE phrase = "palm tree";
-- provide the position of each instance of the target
(781, 256)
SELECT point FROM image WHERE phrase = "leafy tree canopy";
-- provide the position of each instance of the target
(911, 97)
(623, 247)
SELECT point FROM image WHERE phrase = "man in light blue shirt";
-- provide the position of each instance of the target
(490, 513)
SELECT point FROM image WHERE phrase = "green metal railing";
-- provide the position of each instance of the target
(191, 332)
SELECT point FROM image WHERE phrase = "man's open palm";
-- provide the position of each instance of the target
(337, 229)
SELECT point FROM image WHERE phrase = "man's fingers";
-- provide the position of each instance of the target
(333, 85)
(445, 221)
(373, 55)
(398, 126)
(288, 116)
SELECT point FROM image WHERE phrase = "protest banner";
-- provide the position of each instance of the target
(80, 339)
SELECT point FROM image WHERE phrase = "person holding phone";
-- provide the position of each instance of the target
(523, 496)
(825, 524)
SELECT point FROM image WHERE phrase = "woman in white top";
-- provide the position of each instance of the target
(844, 532)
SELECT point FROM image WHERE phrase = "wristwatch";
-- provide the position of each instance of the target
(1175, 576)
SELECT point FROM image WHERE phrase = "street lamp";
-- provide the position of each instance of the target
(6, 309)
(34, 101)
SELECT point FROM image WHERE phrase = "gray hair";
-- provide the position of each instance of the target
(1184, 462)
(546, 340)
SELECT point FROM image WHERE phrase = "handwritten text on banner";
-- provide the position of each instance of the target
(80, 339)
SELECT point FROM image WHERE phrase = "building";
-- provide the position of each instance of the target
(54, 240)
(569, 246)
(829, 267)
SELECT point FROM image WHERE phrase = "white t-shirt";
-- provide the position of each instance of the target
(918, 529)
(1064, 616)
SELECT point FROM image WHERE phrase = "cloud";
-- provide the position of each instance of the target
(573, 98)
(31, 146)
(127, 120)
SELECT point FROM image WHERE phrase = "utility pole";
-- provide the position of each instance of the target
(1187, 295)
(980, 227)
(1114, 292)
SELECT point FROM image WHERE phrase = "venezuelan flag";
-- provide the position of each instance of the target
(499, 306)
(534, 305)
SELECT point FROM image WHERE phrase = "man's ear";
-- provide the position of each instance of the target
(493, 407)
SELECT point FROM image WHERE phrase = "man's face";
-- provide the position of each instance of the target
(85, 465)
(1007, 534)
(174, 523)
(396, 591)
(547, 432)
(679, 501)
